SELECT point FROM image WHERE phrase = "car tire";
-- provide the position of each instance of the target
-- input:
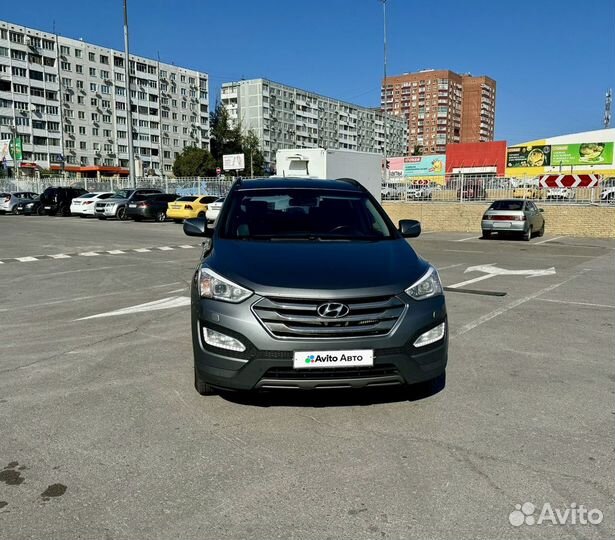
(201, 386)
(541, 232)
(137, 218)
(201, 214)
(178, 220)
(40, 211)
(121, 213)
(14, 210)
(486, 234)
(160, 216)
(527, 235)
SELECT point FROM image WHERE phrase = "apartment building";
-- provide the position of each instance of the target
(286, 117)
(441, 107)
(67, 100)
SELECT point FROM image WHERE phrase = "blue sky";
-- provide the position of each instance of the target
(553, 60)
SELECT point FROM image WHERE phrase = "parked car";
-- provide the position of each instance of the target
(10, 201)
(213, 209)
(513, 216)
(392, 191)
(527, 191)
(28, 207)
(153, 206)
(419, 192)
(607, 191)
(116, 205)
(560, 193)
(84, 206)
(57, 200)
(189, 206)
(472, 190)
(346, 304)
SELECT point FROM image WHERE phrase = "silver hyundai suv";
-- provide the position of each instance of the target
(307, 284)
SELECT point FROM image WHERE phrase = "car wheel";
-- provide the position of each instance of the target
(201, 214)
(527, 235)
(121, 214)
(161, 215)
(40, 211)
(14, 210)
(201, 386)
(101, 217)
(541, 232)
(486, 234)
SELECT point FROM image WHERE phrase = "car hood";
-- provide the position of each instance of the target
(318, 269)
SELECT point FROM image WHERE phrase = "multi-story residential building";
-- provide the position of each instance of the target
(441, 107)
(285, 117)
(68, 99)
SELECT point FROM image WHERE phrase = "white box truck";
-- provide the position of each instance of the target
(364, 167)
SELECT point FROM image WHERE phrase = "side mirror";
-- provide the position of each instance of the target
(409, 228)
(197, 227)
(541, 209)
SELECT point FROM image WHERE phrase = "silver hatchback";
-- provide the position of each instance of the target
(518, 216)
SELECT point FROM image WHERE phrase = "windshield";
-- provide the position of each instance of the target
(186, 199)
(303, 214)
(122, 194)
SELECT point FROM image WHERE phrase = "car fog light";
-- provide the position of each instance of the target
(431, 336)
(222, 341)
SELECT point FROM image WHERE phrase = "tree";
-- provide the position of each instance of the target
(224, 138)
(194, 161)
(255, 161)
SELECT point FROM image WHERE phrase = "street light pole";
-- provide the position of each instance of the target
(131, 157)
(384, 85)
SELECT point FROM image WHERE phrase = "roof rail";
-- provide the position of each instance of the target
(350, 181)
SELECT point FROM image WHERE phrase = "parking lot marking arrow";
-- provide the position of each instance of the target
(491, 270)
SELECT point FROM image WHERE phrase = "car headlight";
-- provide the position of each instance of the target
(212, 285)
(426, 287)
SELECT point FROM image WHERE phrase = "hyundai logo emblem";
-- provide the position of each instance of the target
(333, 310)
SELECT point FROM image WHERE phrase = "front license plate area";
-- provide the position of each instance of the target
(333, 359)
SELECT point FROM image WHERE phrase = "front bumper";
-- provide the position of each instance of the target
(83, 210)
(267, 362)
(107, 211)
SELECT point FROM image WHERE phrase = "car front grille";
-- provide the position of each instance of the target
(299, 318)
(282, 373)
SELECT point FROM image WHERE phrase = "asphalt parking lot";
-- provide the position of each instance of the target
(103, 436)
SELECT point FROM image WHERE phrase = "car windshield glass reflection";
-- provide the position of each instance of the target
(304, 215)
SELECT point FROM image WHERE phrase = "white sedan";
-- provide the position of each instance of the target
(84, 205)
(213, 209)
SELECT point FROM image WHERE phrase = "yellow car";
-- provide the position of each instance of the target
(527, 191)
(189, 206)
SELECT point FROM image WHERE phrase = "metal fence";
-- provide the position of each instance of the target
(181, 186)
(478, 189)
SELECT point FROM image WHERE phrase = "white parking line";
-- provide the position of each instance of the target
(463, 251)
(60, 256)
(116, 252)
(187, 247)
(89, 254)
(449, 266)
(496, 313)
(26, 259)
(468, 238)
(165, 248)
(142, 250)
(549, 240)
(589, 304)
(474, 280)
